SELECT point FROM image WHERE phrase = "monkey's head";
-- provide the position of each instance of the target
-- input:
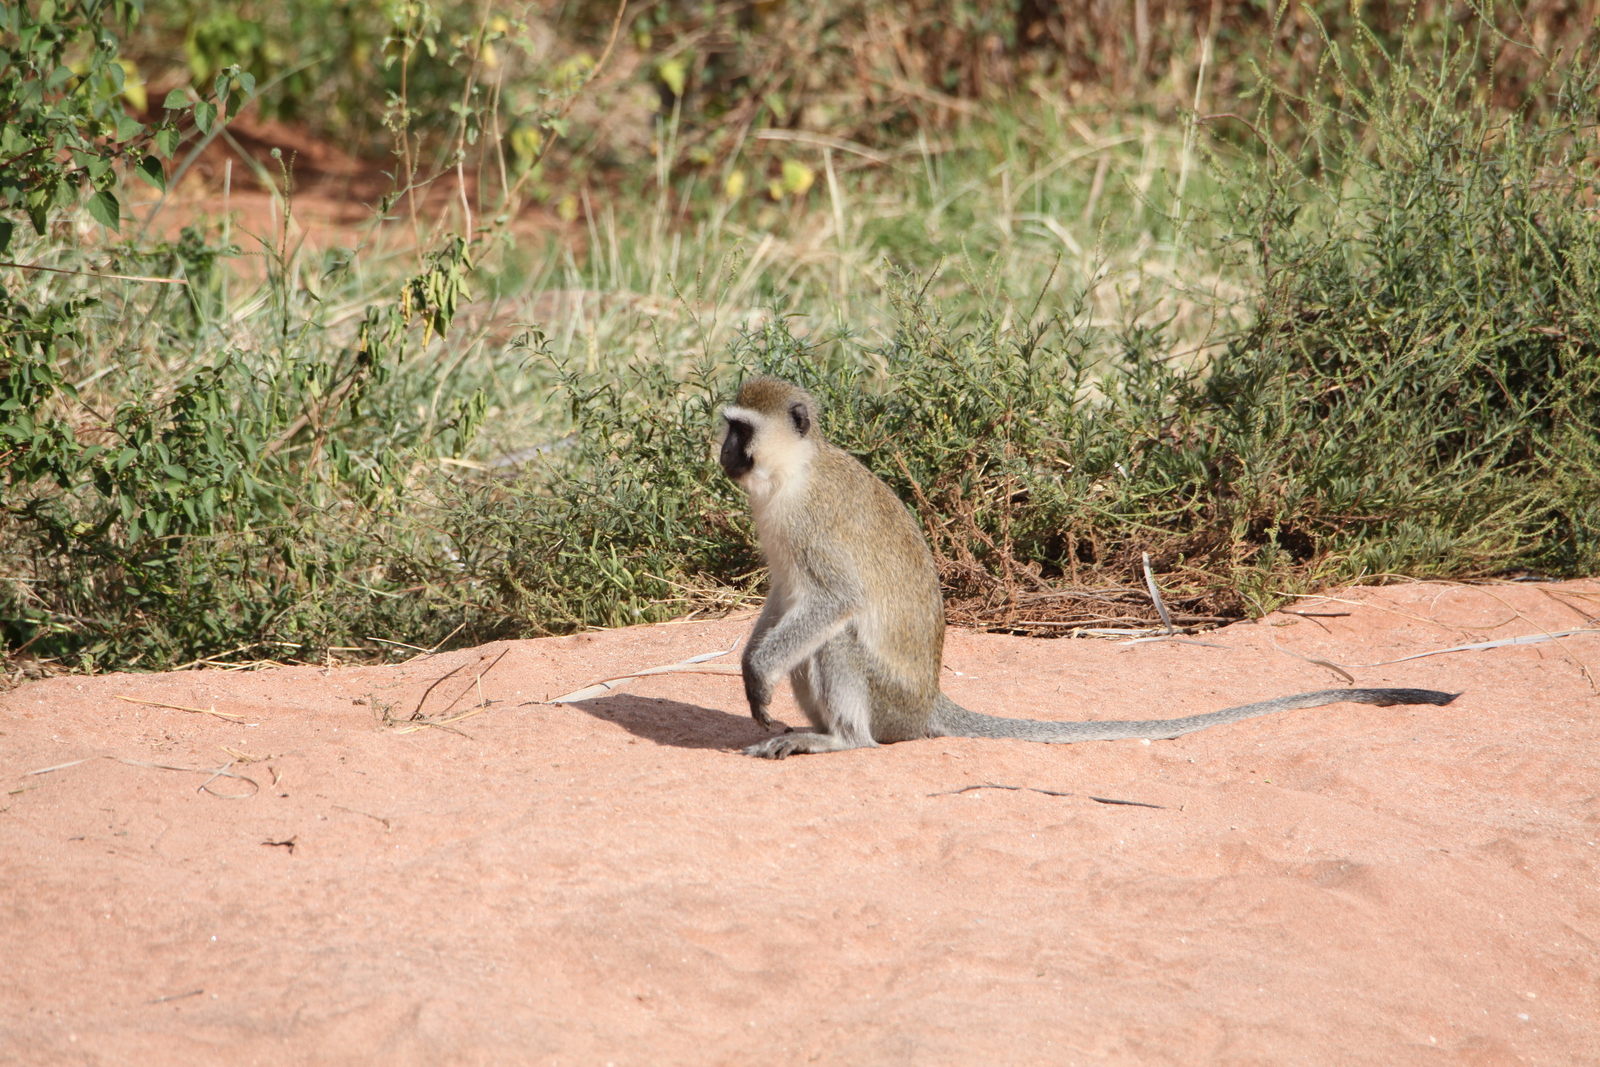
(768, 434)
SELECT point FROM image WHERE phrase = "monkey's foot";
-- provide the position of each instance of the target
(786, 745)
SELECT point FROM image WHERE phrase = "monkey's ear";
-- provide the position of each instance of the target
(800, 417)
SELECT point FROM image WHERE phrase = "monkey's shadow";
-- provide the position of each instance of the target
(672, 722)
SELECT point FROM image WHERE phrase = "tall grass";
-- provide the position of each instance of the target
(1416, 390)
(1065, 344)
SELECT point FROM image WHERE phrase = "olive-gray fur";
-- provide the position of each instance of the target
(855, 617)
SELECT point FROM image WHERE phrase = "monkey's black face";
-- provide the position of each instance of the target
(736, 458)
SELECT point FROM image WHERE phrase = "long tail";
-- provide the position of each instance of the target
(952, 720)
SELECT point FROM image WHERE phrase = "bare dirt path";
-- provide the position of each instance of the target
(612, 883)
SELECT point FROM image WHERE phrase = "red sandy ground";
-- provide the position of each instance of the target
(334, 201)
(612, 883)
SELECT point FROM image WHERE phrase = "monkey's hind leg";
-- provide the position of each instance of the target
(831, 688)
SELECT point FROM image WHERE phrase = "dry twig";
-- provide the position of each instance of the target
(179, 707)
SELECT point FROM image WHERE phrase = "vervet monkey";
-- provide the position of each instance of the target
(855, 616)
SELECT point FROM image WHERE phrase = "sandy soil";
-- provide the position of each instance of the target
(612, 883)
(333, 203)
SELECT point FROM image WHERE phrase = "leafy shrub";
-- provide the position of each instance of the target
(1418, 393)
(204, 513)
(63, 127)
(1415, 391)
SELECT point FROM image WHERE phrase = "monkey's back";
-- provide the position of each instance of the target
(865, 546)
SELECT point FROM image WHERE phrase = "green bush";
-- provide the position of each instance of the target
(1412, 388)
(208, 509)
(1417, 392)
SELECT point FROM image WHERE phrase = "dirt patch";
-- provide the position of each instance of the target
(333, 203)
(612, 882)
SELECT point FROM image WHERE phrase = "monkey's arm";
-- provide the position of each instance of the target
(771, 611)
(785, 643)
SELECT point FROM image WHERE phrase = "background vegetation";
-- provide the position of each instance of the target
(1280, 295)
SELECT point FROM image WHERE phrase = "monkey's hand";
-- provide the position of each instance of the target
(757, 690)
(759, 694)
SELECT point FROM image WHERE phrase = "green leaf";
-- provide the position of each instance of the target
(59, 77)
(247, 82)
(128, 127)
(105, 209)
(167, 139)
(176, 100)
(675, 73)
(205, 113)
(151, 171)
(6, 230)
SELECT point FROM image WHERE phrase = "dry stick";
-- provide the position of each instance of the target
(1189, 131)
(481, 673)
(178, 996)
(605, 685)
(1155, 595)
(419, 723)
(221, 772)
(227, 227)
(822, 140)
(428, 691)
(594, 72)
(417, 648)
(180, 707)
(1169, 639)
(331, 401)
(1482, 646)
(442, 724)
(1046, 792)
(216, 658)
(1096, 186)
(95, 274)
(1583, 668)
(426, 651)
(1586, 617)
(1526, 639)
(838, 217)
(368, 814)
(1395, 611)
(1334, 667)
(954, 103)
